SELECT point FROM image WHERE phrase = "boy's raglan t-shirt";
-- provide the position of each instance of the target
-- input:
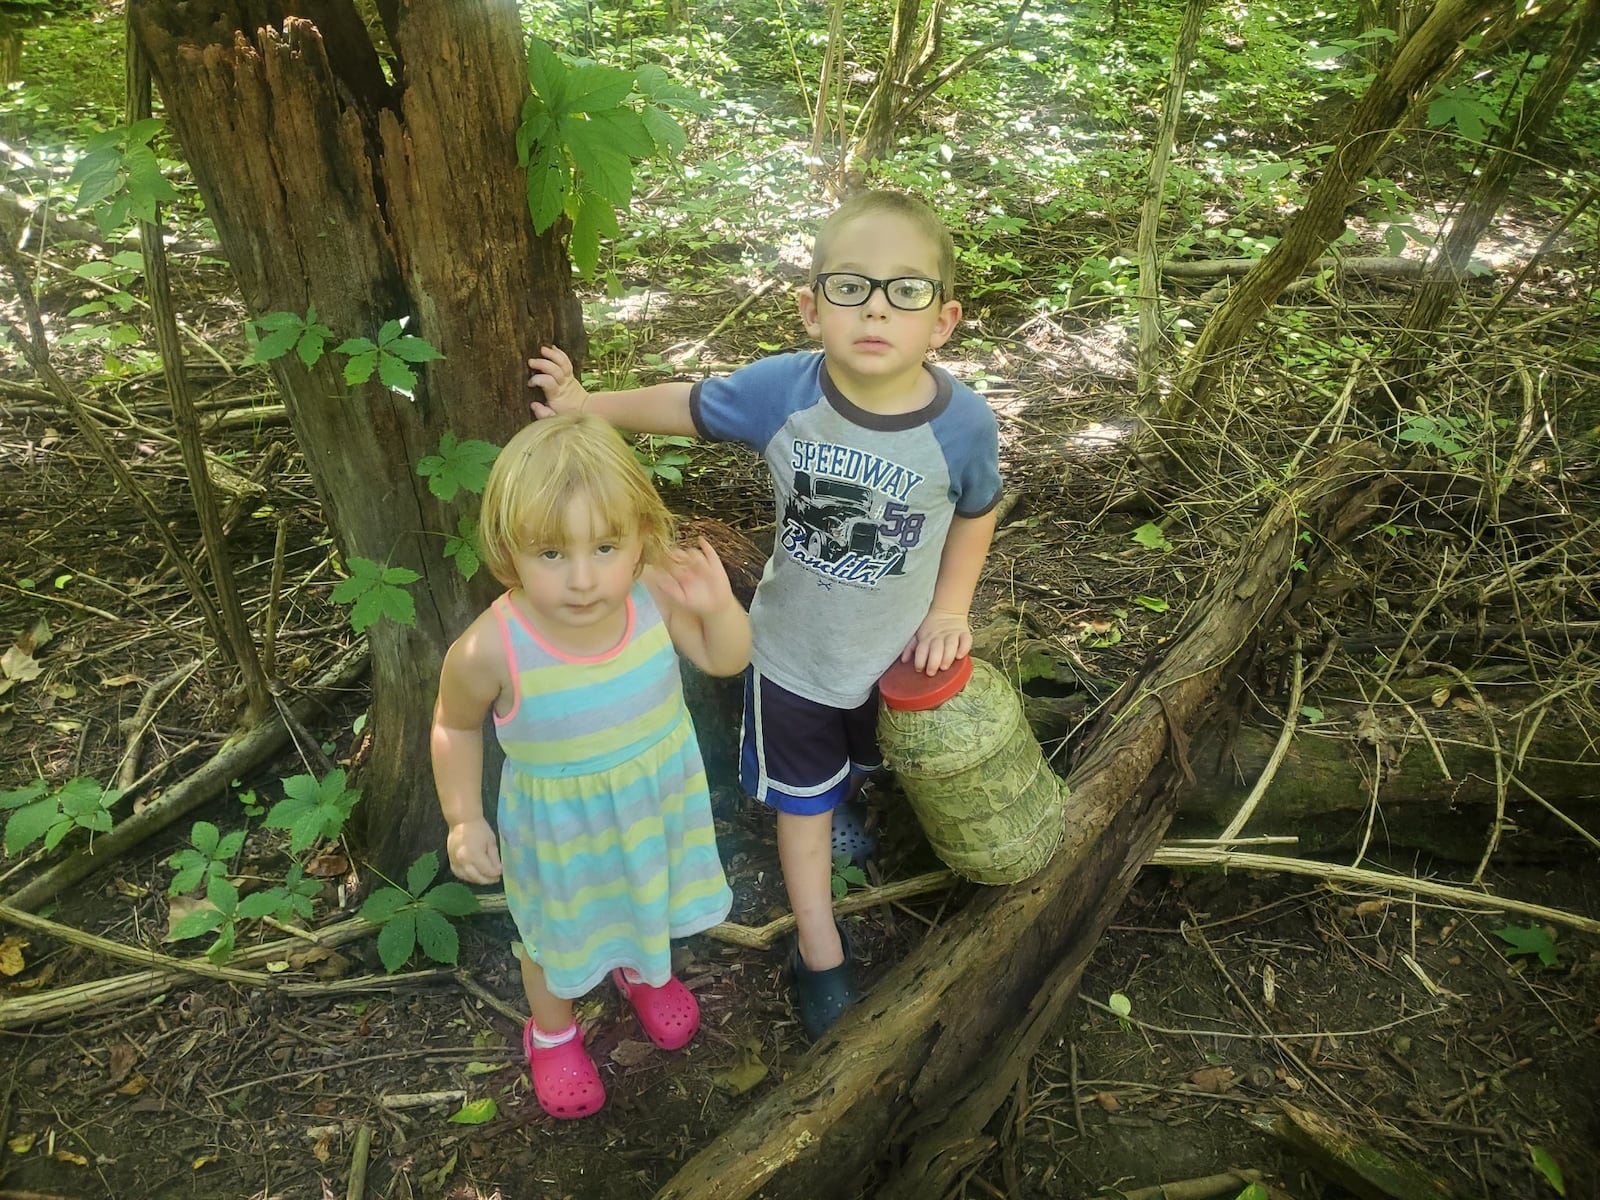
(863, 505)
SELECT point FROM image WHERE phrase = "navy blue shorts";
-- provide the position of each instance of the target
(800, 756)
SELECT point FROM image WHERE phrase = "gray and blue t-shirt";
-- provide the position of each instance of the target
(864, 502)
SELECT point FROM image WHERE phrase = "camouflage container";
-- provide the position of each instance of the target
(973, 773)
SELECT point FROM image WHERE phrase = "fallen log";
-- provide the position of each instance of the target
(893, 1100)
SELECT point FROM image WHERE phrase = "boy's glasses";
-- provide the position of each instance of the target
(849, 290)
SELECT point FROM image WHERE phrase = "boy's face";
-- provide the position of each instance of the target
(875, 346)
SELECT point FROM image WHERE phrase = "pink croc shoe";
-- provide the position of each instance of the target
(565, 1081)
(670, 1014)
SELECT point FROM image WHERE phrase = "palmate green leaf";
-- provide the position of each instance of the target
(31, 822)
(261, 904)
(277, 342)
(360, 367)
(549, 179)
(26, 794)
(381, 906)
(421, 873)
(222, 894)
(383, 602)
(413, 349)
(624, 130)
(668, 135)
(656, 86)
(195, 922)
(453, 899)
(397, 939)
(397, 376)
(604, 168)
(204, 836)
(463, 547)
(595, 218)
(437, 936)
(594, 88)
(459, 465)
(547, 75)
(97, 175)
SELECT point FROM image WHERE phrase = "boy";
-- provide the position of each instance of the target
(885, 472)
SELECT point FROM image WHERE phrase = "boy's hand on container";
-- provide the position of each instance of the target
(563, 391)
(696, 579)
(939, 641)
(474, 852)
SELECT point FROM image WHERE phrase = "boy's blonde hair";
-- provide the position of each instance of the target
(894, 204)
(546, 466)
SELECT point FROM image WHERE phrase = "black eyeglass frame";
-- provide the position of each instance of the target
(821, 286)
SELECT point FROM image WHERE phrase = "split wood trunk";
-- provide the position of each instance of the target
(358, 176)
(892, 1102)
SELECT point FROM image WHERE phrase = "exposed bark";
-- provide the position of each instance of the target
(1415, 69)
(331, 186)
(913, 1073)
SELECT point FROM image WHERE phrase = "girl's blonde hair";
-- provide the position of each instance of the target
(546, 466)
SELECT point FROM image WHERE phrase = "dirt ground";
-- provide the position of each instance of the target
(1404, 1021)
(1407, 1022)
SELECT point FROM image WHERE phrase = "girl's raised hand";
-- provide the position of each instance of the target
(563, 391)
(694, 578)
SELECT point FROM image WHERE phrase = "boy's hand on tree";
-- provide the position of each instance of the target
(563, 391)
(474, 852)
(940, 640)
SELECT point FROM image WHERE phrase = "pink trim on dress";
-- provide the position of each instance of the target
(503, 605)
(499, 608)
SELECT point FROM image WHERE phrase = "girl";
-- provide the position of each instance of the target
(605, 837)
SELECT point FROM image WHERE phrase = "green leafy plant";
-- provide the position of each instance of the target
(462, 546)
(374, 592)
(1465, 108)
(40, 813)
(293, 898)
(206, 857)
(1549, 1168)
(390, 356)
(222, 912)
(663, 456)
(119, 176)
(418, 915)
(281, 332)
(1149, 536)
(1448, 436)
(459, 466)
(475, 1112)
(581, 133)
(1528, 939)
(313, 810)
(1121, 1008)
(845, 873)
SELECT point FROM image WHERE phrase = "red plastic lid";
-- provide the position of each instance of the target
(907, 689)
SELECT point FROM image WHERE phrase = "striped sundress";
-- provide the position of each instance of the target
(605, 821)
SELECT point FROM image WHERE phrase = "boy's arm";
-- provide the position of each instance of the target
(659, 408)
(946, 632)
(467, 690)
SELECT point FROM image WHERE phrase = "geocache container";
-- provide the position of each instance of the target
(991, 807)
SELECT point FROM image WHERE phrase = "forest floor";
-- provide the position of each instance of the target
(1403, 1020)
(1417, 1026)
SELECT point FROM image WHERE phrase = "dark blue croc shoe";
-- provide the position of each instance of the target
(821, 996)
(850, 836)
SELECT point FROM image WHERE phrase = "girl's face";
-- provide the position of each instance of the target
(577, 591)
